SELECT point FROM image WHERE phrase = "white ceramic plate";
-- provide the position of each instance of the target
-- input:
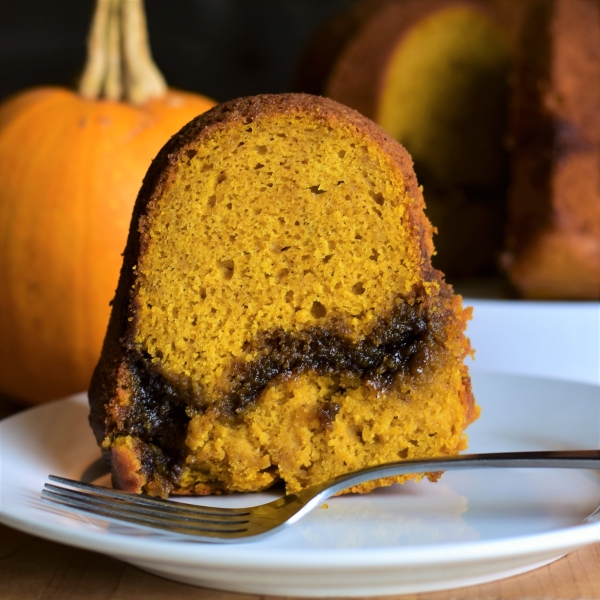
(469, 528)
(560, 340)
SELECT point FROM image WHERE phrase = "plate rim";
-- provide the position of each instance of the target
(477, 550)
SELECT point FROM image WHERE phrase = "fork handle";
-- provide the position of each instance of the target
(565, 459)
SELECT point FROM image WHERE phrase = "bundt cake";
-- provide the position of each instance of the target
(553, 246)
(277, 316)
(433, 74)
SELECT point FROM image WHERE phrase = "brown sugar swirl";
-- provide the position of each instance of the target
(277, 316)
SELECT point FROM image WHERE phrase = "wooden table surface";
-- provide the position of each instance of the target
(32, 568)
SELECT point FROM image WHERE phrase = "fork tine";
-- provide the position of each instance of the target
(143, 500)
(173, 516)
(122, 512)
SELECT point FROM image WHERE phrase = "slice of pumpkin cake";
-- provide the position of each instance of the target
(277, 316)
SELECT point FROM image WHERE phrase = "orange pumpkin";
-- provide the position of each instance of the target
(70, 169)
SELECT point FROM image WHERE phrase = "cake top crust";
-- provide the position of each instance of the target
(244, 111)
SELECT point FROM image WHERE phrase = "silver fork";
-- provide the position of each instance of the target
(227, 525)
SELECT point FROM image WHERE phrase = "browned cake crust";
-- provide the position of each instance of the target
(553, 245)
(346, 58)
(330, 41)
(358, 75)
(122, 370)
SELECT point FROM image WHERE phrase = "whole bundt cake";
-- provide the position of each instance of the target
(553, 246)
(277, 316)
(433, 74)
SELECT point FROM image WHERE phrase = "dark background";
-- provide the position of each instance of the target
(221, 48)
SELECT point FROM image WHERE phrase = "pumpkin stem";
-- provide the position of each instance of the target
(119, 65)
